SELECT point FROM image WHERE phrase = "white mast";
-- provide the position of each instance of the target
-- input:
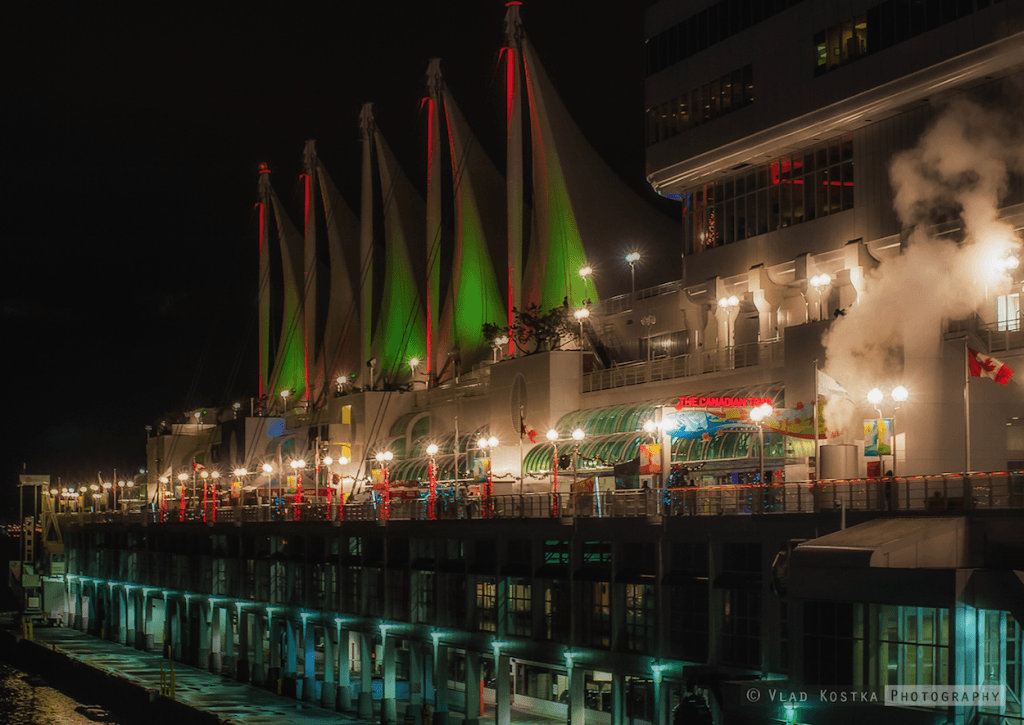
(264, 285)
(433, 237)
(514, 162)
(309, 292)
(366, 245)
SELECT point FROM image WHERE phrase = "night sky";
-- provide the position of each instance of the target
(133, 132)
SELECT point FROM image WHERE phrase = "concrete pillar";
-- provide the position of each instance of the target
(274, 664)
(577, 714)
(618, 699)
(473, 688)
(204, 611)
(441, 676)
(290, 666)
(416, 675)
(365, 677)
(259, 636)
(228, 639)
(308, 661)
(502, 694)
(243, 672)
(661, 700)
(328, 691)
(388, 711)
(127, 623)
(344, 672)
(216, 635)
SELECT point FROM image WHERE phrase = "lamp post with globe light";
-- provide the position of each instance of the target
(487, 446)
(432, 482)
(267, 471)
(758, 415)
(298, 465)
(384, 459)
(553, 437)
(577, 437)
(585, 273)
(899, 394)
(632, 258)
(820, 283)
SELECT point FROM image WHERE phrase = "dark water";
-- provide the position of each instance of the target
(30, 700)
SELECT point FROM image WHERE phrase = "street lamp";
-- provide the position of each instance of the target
(820, 282)
(414, 366)
(581, 314)
(758, 415)
(728, 304)
(577, 436)
(899, 394)
(432, 479)
(585, 273)
(632, 258)
(284, 401)
(553, 437)
(267, 470)
(487, 445)
(297, 465)
(383, 460)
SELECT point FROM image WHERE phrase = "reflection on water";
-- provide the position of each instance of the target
(29, 700)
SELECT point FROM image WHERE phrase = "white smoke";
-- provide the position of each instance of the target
(960, 168)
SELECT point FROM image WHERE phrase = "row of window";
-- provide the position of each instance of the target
(885, 25)
(713, 24)
(789, 190)
(716, 98)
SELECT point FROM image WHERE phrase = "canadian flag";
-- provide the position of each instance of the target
(983, 365)
(525, 430)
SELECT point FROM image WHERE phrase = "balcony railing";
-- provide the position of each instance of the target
(994, 336)
(943, 493)
(682, 366)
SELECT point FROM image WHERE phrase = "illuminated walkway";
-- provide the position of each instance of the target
(232, 702)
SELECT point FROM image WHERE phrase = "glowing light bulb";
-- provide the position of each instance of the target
(875, 396)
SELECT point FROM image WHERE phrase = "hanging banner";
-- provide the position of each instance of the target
(797, 422)
(481, 469)
(877, 437)
(650, 458)
(291, 484)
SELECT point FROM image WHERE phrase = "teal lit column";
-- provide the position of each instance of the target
(308, 660)
(259, 636)
(242, 668)
(344, 671)
(618, 698)
(228, 641)
(661, 699)
(502, 694)
(473, 688)
(274, 665)
(216, 633)
(577, 714)
(388, 711)
(328, 691)
(204, 636)
(365, 676)
(441, 677)
(291, 657)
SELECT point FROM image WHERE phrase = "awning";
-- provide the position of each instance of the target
(910, 561)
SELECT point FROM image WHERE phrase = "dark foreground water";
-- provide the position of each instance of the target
(27, 699)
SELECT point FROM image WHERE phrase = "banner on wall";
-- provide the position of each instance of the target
(797, 422)
(877, 437)
(650, 458)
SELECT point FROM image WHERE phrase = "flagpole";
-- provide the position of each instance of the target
(967, 410)
(817, 451)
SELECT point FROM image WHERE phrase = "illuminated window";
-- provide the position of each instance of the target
(913, 645)
(1008, 312)
(486, 604)
(520, 620)
(641, 616)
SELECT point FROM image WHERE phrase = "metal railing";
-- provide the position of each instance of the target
(938, 494)
(682, 366)
(995, 336)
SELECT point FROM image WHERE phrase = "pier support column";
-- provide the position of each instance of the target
(365, 676)
(242, 669)
(203, 653)
(416, 675)
(228, 642)
(274, 665)
(441, 676)
(216, 632)
(502, 694)
(308, 661)
(661, 700)
(473, 701)
(291, 658)
(577, 715)
(618, 699)
(259, 636)
(328, 690)
(388, 711)
(126, 627)
(344, 671)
